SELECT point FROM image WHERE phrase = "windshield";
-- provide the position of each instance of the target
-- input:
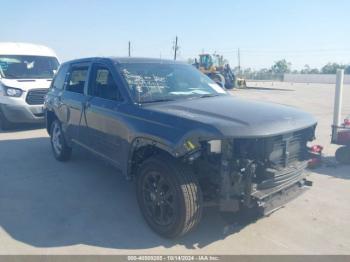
(27, 67)
(152, 82)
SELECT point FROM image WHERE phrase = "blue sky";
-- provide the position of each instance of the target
(310, 32)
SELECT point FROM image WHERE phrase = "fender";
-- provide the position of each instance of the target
(139, 142)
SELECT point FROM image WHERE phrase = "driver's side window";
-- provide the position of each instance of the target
(103, 85)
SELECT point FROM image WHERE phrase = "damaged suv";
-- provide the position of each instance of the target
(181, 137)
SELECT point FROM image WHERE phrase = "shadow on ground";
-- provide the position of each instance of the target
(23, 127)
(267, 88)
(333, 169)
(45, 203)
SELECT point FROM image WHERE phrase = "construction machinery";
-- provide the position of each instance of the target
(215, 67)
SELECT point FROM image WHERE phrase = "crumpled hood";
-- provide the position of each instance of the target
(237, 117)
(26, 84)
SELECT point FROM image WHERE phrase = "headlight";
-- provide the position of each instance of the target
(14, 92)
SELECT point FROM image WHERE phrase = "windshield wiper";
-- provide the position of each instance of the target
(157, 100)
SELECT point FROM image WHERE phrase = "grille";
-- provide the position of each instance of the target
(287, 158)
(288, 149)
(278, 151)
(36, 96)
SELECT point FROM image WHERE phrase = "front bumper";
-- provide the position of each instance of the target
(23, 113)
(242, 187)
(267, 201)
(272, 202)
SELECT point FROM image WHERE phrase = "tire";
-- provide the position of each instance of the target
(229, 83)
(169, 196)
(61, 150)
(4, 123)
(219, 79)
(342, 155)
(229, 86)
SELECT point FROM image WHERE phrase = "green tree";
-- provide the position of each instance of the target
(308, 70)
(347, 70)
(314, 71)
(331, 68)
(265, 71)
(281, 67)
(305, 70)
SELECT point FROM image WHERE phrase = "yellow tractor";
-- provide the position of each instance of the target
(215, 67)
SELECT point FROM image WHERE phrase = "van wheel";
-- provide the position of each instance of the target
(342, 155)
(169, 196)
(4, 123)
(61, 150)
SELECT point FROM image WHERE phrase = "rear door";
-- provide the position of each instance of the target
(73, 99)
(102, 125)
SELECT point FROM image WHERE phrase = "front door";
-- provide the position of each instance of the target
(102, 122)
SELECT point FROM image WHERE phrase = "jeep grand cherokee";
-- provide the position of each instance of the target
(181, 137)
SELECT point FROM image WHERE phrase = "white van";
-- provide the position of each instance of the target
(26, 72)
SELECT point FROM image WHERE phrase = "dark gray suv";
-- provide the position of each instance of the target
(181, 137)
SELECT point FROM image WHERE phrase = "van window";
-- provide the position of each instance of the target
(27, 67)
(77, 79)
(58, 81)
(103, 84)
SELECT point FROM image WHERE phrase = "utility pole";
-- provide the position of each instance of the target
(239, 61)
(129, 48)
(175, 48)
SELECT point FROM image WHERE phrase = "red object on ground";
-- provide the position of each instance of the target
(314, 162)
(316, 156)
(316, 149)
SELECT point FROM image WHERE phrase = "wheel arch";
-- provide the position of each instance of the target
(50, 116)
(143, 148)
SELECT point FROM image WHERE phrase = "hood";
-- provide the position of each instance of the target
(26, 84)
(237, 117)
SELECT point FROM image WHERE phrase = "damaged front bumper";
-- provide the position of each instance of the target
(270, 203)
(240, 188)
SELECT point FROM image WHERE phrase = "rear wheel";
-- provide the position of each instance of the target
(60, 148)
(169, 196)
(342, 155)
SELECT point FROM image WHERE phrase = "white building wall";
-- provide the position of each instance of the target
(313, 78)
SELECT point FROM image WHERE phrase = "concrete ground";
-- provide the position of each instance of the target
(84, 207)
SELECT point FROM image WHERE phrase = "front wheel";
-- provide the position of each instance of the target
(169, 196)
(61, 150)
(5, 124)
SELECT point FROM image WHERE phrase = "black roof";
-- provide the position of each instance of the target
(125, 60)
